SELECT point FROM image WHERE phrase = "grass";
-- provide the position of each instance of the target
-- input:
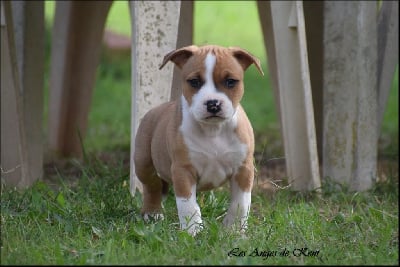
(55, 223)
(82, 212)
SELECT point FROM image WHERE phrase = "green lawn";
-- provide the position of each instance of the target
(96, 221)
(82, 213)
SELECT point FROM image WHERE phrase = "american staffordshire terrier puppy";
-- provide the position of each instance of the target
(201, 140)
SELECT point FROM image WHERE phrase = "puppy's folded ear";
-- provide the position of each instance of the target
(245, 59)
(179, 56)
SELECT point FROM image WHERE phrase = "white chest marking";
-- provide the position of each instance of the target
(214, 150)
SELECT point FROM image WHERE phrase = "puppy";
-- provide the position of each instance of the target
(201, 140)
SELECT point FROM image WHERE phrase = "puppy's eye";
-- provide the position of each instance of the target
(230, 83)
(196, 83)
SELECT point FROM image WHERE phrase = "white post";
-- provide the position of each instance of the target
(290, 58)
(154, 34)
(350, 93)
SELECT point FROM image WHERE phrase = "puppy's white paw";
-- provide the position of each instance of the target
(152, 217)
(189, 213)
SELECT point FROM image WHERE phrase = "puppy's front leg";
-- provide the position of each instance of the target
(188, 209)
(189, 213)
(240, 187)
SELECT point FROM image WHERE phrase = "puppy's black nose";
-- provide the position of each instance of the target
(213, 106)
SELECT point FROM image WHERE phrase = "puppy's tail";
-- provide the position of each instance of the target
(134, 182)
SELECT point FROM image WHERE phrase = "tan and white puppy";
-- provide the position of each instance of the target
(201, 140)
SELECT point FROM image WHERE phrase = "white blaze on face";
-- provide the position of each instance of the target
(210, 64)
(209, 92)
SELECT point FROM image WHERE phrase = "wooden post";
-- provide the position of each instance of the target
(14, 159)
(154, 34)
(76, 45)
(350, 93)
(295, 99)
(28, 17)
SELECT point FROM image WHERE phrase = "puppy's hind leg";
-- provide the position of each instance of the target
(152, 186)
(153, 196)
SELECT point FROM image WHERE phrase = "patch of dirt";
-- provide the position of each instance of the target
(69, 171)
(271, 174)
(62, 171)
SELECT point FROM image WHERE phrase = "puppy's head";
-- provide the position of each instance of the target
(212, 79)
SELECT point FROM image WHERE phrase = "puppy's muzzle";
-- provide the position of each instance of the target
(213, 106)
